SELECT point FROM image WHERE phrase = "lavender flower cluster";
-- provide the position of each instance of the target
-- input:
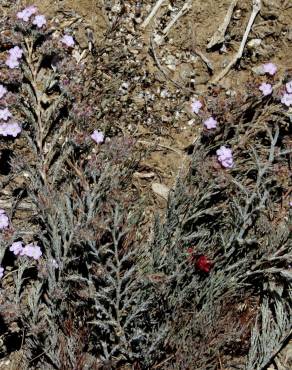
(224, 155)
(8, 127)
(30, 250)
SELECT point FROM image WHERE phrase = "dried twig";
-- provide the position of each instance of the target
(22, 205)
(177, 151)
(218, 36)
(256, 6)
(186, 7)
(152, 13)
(165, 74)
(204, 59)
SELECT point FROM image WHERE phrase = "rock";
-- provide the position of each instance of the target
(160, 189)
(253, 44)
(258, 70)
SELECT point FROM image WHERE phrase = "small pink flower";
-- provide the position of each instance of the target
(266, 89)
(290, 203)
(15, 52)
(26, 13)
(68, 40)
(31, 250)
(210, 123)
(3, 91)
(1, 272)
(196, 106)
(270, 68)
(16, 248)
(97, 136)
(10, 128)
(287, 100)
(5, 114)
(289, 87)
(225, 157)
(13, 129)
(53, 263)
(39, 21)
(3, 129)
(12, 62)
(4, 221)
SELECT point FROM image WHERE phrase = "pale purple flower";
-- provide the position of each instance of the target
(97, 136)
(16, 248)
(68, 40)
(287, 99)
(12, 62)
(3, 129)
(26, 13)
(54, 263)
(270, 68)
(3, 91)
(290, 203)
(12, 129)
(196, 106)
(1, 272)
(266, 89)
(210, 123)
(5, 114)
(15, 52)
(31, 250)
(224, 156)
(4, 221)
(289, 87)
(39, 21)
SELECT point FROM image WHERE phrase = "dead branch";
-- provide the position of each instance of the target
(256, 7)
(165, 74)
(204, 59)
(152, 13)
(186, 7)
(218, 36)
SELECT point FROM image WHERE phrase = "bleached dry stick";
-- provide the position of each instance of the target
(218, 36)
(256, 7)
(152, 13)
(22, 205)
(187, 6)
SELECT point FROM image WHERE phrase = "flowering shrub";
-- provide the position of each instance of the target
(230, 218)
(80, 286)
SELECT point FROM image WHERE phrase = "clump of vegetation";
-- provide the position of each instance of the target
(80, 287)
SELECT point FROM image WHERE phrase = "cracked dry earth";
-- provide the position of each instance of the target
(147, 78)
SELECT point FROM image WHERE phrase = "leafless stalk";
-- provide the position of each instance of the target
(186, 7)
(256, 7)
(218, 36)
(152, 13)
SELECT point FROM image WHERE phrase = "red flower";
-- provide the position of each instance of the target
(203, 264)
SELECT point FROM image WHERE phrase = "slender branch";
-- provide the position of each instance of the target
(187, 6)
(152, 13)
(218, 36)
(255, 9)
